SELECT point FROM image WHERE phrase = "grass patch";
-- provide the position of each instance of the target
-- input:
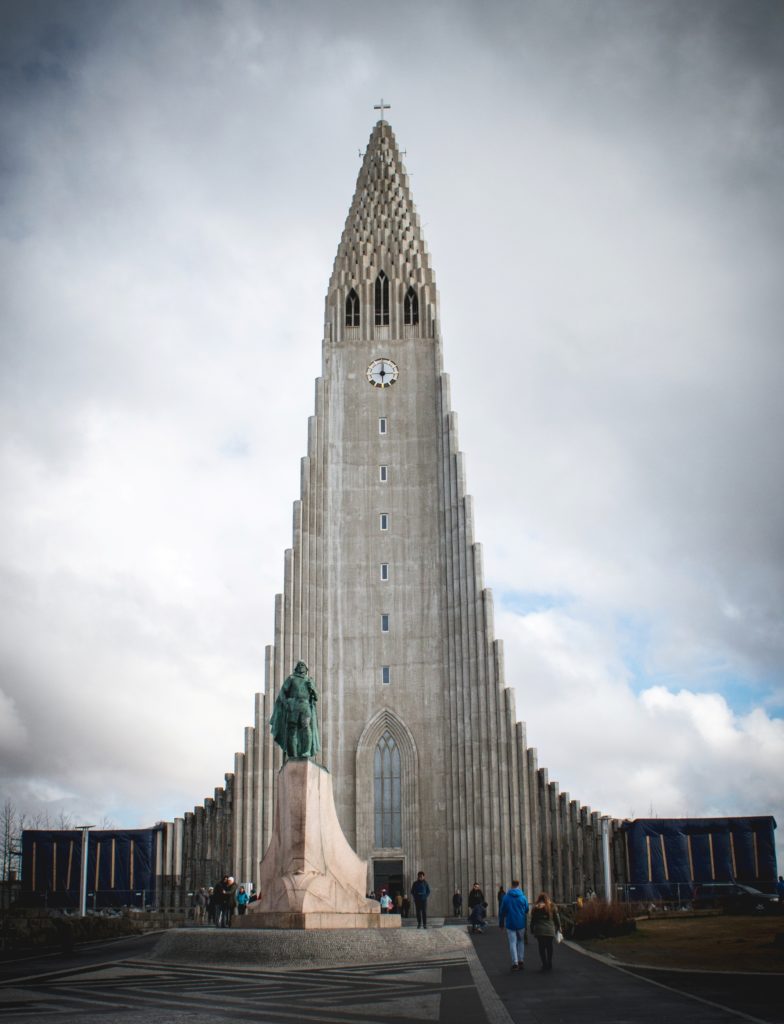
(718, 943)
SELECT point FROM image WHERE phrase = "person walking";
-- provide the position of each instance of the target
(200, 906)
(386, 902)
(420, 890)
(219, 899)
(545, 924)
(405, 906)
(212, 905)
(512, 915)
(229, 900)
(500, 896)
(475, 898)
(457, 903)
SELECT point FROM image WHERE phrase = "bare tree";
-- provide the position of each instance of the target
(64, 821)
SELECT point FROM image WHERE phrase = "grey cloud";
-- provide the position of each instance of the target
(601, 190)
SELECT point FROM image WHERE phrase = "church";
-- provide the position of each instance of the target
(384, 599)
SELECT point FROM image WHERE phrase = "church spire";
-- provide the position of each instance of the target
(382, 234)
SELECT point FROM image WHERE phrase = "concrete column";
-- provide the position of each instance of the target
(458, 860)
(249, 800)
(606, 863)
(296, 584)
(589, 870)
(576, 842)
(177, 837)
(534, 816)
(555, 838)
(188, 881)
(564, 829)
(237, 817)
(516, 861)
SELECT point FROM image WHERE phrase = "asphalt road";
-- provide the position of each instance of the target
(126, 982)
(583, 989)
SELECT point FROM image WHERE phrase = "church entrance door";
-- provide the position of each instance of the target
(388, 874)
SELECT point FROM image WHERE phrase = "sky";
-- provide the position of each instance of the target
(600, 186)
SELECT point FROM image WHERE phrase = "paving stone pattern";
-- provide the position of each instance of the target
(129, 991)
(206, 976)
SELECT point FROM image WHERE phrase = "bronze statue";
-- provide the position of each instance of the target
(294, 724)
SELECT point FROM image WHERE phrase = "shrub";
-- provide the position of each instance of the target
(596, 919)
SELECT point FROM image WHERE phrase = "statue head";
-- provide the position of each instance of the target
(301, 669)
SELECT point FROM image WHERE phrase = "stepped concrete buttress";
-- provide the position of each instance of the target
(310, 876)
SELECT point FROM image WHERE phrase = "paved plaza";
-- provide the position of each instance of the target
(204, 976)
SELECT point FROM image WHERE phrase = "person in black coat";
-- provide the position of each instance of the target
(420, 890)
(457, 903)
(475, 898)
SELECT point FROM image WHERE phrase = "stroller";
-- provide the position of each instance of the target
(477, 922)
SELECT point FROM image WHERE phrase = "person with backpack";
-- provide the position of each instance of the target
(545, 925)
(512, 915)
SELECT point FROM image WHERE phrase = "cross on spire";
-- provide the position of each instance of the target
(382, 107)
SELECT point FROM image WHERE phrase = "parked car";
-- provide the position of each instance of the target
(733, 898)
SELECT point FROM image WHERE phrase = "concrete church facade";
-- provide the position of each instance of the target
(384, 600)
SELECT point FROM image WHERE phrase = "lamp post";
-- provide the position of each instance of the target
(83, 879)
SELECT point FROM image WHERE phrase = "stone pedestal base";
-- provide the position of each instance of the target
(310, 876)
(314, 921)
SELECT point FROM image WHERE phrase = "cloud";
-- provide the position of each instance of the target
(637, 754)
(600, 187)
(13, 734)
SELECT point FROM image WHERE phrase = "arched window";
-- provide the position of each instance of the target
(411, 307)
(352, 309)
(386, 777)
(382, 299)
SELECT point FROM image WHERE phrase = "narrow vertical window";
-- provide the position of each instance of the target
(382, 474)
(385, 570)
(387, 793)
(411, 307)
(383, 520)
(382, 299)
(385, 676)
(384, 622)
(382, 425)
(352, 309)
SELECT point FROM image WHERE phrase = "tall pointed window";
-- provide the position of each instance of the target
(352, 309)
(411, 307)
(386, 778)
(382, 299)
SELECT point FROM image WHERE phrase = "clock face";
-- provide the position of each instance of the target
(382, 373)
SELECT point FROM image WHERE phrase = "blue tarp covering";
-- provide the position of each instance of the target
(665, 856)
(120, 867)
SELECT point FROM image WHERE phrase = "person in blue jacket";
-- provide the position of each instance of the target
(420, 890)
(512, 914)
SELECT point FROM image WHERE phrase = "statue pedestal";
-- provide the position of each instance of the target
(310, 876)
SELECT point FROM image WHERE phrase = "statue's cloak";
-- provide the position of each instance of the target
(279, 722)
